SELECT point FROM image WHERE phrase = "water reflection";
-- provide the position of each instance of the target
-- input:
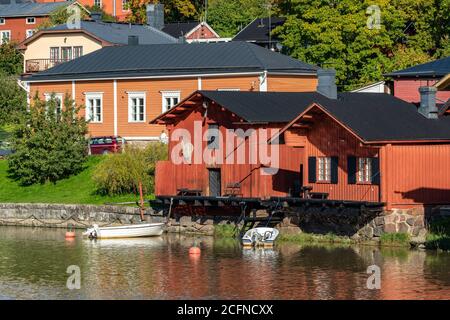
(33, 264)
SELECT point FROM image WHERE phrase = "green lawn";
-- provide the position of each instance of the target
(77, 189)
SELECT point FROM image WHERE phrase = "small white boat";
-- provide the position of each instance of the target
(129, 231)
(260, 237)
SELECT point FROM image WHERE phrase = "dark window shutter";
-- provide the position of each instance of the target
(375, 171)
(351, 170)
(334, 169)
(312, 170)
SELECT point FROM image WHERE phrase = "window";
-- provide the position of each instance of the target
(324, 169)
(169, 99)
(124, 4)
(364, 170)
(2, 20)
(58, 100)
(30, 32)
(54, 53)
(31, 20)
(213, 136)
(66, 53)
(136, 107)
(77, 52)
(94, 107)
(98, 3)
(5, 36)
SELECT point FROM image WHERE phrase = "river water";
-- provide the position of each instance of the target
(34, 262)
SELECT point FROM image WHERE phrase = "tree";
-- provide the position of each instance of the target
(13, 100)
(335, 34)
(11, 61)
(228, 17)
(174, 10)
(49, 143)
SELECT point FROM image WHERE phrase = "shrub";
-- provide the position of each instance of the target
(225, 230)
(121, 173)
(49, 145)
(397, 239)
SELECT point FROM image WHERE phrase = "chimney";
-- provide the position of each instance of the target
(155, 15)
(327, 83)
(96, 16)
(428, 102)
(133, 40)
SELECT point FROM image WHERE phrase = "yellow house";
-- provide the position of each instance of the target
(52, 46)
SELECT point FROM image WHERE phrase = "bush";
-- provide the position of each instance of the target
(49, 145)
(121, 173)
(395, 239)
(225, 230)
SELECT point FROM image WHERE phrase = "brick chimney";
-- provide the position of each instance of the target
(155, 15)
(428, 106)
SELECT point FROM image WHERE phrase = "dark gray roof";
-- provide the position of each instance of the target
(437, 68)
(179, 29)
(372, 116)
(118, 32)
(30, 9)
(258, 30)
(174, 59)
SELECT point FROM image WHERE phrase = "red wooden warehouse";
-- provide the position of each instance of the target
(349, 146)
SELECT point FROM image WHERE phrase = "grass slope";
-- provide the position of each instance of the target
(77, 189)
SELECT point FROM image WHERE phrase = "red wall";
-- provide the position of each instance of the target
(408, 89)
(202, 33)
(18, 27)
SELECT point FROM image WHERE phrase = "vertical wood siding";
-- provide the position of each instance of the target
(292, 84)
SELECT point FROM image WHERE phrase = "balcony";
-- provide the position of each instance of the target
(36, 65)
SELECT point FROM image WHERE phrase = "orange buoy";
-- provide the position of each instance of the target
(194, 251)
(70, 234)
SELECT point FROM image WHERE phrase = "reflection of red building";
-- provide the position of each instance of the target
(352, 146)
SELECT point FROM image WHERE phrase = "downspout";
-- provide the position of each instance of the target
(114, 8)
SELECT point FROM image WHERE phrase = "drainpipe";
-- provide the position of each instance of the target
(114, 8)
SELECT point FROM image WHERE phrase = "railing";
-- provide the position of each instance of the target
(36, 65)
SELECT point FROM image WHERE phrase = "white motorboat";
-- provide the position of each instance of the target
(260, 237)
(129, 231)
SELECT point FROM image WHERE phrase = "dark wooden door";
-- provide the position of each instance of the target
(215, 182)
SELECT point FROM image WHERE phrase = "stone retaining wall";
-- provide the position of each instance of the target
(61, 216)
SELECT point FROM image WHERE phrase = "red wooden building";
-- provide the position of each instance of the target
(351, 146)
(408, 81)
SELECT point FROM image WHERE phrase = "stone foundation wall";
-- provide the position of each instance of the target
(61, 216)
(203, 225)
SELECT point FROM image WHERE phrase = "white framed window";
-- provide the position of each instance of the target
(364, 170)
(136, 106)
(124, 3)
(169, 99)
(66, 53)
(5, 36)
(2, 21)
(98, 3)
(58, 99)
(94, 107)
(30, 32)
(324, 169)
(77, 51)
(31, 20)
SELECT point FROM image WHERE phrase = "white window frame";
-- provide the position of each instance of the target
(1, 36)
(27, 22)
(94, 96)
(136, 95)
(100, 5)
(228, 89)
(2, 21)
(33, 31)
(58, 96)
(169, 95)
(364, 170)
(324, 169)
(123, 8)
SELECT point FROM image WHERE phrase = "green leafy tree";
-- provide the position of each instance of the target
(11, 61)
(335, 34)
(228, 17)
(13, 100)
(49, 143)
